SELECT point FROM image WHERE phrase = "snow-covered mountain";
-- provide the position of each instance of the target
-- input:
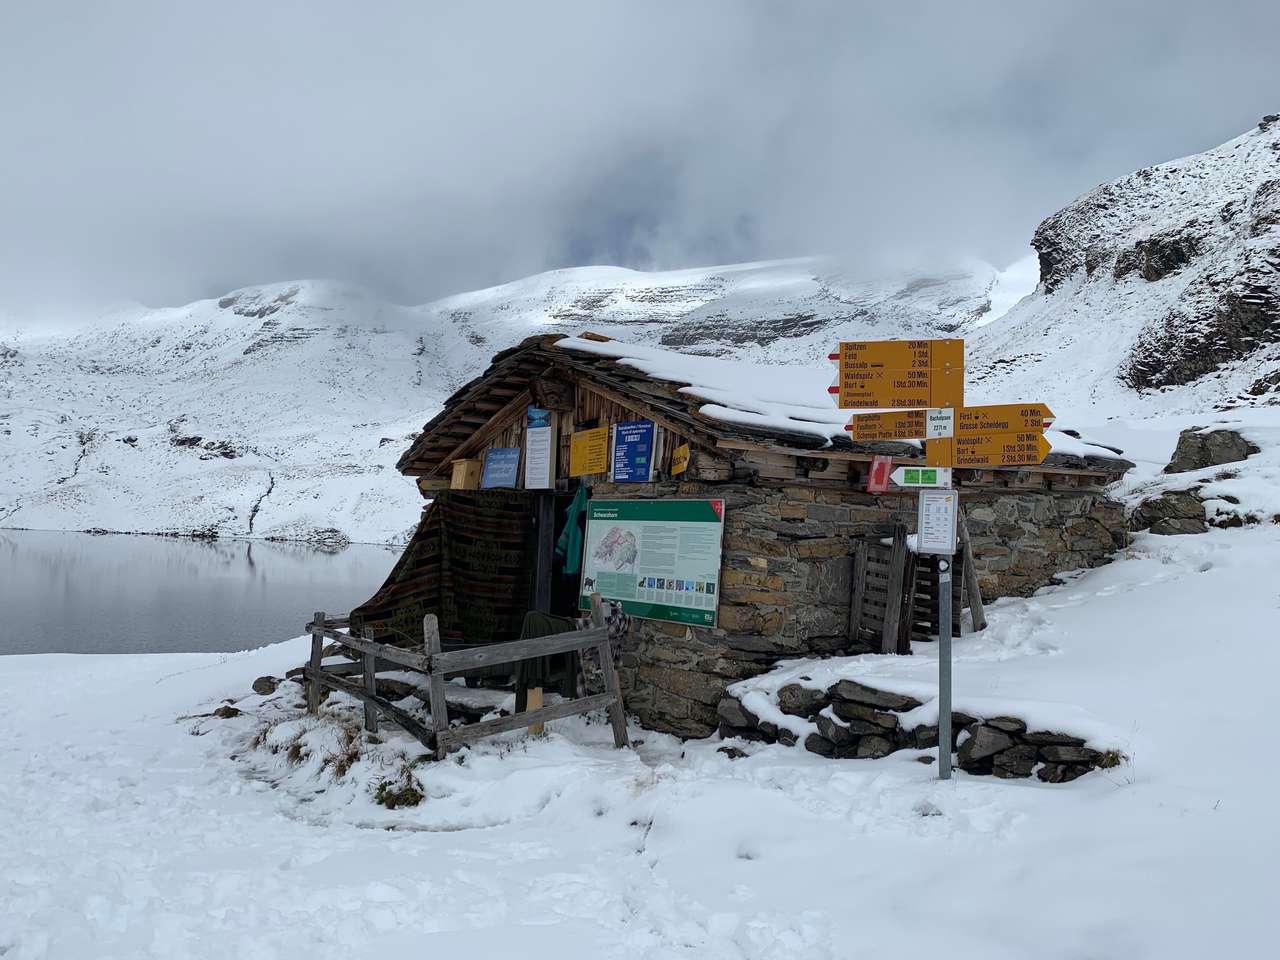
(1159, 292)
(279, 411)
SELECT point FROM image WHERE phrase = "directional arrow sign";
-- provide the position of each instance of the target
(1002, 418)
(892, 425)
(921, 476)
(886, 374)
(1012, 449)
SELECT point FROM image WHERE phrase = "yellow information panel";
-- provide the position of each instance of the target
(1002, 418)
(680, 459)
(883, 374)
(1012, 449)
(589, 452)
(894, 425)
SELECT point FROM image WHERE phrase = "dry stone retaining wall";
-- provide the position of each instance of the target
(785, 581)
(854, 721)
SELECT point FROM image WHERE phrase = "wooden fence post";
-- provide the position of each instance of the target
(617, 713)
(859, 591)
(533, 701)
(976, 610)
(370, 685)
(317, 650)
(435, 682)
(910, 574)
(893, 601)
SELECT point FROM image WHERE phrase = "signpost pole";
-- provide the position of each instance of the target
(944, 667)
(936, 535)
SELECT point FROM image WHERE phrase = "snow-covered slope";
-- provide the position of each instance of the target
(279, 411)
(1159, 293)
(272, 412)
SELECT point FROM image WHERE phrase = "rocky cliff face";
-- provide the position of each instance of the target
(1194, 244)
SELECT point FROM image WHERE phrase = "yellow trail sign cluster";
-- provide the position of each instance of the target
(917, 389)
(988, 450)
(887, 374)
(888, 425)
(1002, 418)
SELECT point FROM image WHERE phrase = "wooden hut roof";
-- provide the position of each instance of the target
(719, 405)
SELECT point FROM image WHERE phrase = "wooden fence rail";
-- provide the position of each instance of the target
(436, 664)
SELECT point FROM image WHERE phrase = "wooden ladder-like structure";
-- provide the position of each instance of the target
(895, 593)
(437, 665)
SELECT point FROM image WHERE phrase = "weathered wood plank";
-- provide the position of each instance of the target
(487, 728)
(389, 709)
(893, 608)
(617, 713)
(333, 623)
(370, 663)
(533, 701)
(407, 658)
(908, 597)
(437, 703)
(455, 661)
(356, 667)
(859, 594)
(317, 648)
(497, 423)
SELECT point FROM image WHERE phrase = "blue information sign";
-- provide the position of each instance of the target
(633, 451)
(501, 467)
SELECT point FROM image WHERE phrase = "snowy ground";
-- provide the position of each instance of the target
(135, 838)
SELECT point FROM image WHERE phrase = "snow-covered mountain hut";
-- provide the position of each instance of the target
(511, 459)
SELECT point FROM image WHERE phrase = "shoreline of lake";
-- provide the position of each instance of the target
(76, 592)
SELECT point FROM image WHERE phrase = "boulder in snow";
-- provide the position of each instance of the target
(1173, 512)
(853, 692)
(1198, 448)
(980, 746)
(800, 701)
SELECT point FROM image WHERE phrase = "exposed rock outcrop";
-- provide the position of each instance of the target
(1174, 512)
(1198, 448)
(1196, 241)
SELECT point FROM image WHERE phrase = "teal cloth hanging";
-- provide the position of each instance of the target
(569, 546)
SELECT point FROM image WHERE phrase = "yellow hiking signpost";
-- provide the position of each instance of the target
(916, 388)
(890, 425)
(933, 424)
(887, 374)
(1002, 418)
(988, 450)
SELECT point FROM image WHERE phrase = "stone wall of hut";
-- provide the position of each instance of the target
(785, 580)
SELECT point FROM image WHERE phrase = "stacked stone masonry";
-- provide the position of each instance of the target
(786, 578)
(855, 721)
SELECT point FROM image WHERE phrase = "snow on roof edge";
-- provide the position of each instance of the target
(778, 398)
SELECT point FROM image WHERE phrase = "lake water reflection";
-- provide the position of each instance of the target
(80, 593)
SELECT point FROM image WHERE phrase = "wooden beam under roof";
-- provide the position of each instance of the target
(488, 431)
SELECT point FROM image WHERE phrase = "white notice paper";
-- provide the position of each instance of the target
(539, 450)
(936, 524)
(939, 422)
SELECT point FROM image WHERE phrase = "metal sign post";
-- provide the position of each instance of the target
(944, 668)
(936, 534)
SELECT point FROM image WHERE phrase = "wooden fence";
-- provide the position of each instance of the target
(895, 593)
(436, 665)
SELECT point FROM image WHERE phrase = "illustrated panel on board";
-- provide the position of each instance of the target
(659, 558)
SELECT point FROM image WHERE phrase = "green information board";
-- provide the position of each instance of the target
(659, 558)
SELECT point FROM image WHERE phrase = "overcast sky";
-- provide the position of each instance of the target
(167, 151)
